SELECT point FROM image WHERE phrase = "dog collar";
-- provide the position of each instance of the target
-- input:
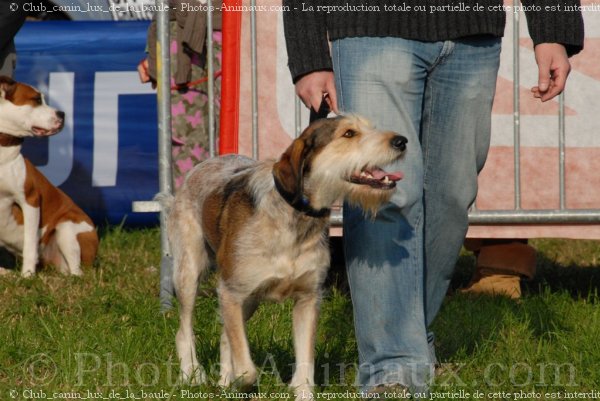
(301, 204)
(9, 140)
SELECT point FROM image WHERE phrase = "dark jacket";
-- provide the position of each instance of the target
(309, 24)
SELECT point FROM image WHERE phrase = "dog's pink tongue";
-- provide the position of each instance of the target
(379, 174)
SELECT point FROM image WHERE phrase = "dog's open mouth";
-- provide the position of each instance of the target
(376, 178)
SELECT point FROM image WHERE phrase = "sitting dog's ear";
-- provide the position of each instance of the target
(288, 171)
(7, 87)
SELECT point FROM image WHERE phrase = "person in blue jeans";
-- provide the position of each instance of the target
(430, 76)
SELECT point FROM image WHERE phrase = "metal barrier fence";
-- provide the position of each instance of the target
(516, 216)
(519, 215)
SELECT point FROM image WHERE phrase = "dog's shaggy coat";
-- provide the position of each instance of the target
(265, 224)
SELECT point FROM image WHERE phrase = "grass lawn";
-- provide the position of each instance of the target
(102, 337)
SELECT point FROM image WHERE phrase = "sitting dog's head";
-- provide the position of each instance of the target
(341, 157)
(24, 111)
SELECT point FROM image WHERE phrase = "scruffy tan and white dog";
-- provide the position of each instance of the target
(266, 225)
(37, 220)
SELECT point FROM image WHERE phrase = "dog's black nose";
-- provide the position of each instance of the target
(399, 142)
(60, 114)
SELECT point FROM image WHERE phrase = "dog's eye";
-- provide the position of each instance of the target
(349, 134)
(38, 100)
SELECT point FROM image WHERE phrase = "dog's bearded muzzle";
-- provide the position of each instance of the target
(377, 178)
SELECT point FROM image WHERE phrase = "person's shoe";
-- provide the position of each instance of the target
(497, 284)
(500, 268)
(392, 391)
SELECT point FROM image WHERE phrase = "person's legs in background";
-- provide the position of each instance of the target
(189, 113)
(8, 61)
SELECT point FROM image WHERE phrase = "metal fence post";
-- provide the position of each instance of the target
(254, 79)
(164, 147)
(516, 106)
(210, 70)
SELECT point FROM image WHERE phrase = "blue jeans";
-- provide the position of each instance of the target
(439, 95)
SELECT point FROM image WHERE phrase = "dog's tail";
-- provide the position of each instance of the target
(165, 201)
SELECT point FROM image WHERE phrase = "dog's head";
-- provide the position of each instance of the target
(337, 158)
(24, 112)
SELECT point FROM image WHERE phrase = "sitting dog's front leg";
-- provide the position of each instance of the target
(306, 311)
(31, 223)
(232, 313)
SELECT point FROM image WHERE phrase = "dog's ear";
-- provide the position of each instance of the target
(288, 171)
(7, 87)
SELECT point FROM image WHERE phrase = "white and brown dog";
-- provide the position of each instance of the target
(37, 220)
(266, 225)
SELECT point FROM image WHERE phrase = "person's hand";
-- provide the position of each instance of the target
(142, 69)
(145, 77)
(554, 67)
(312, 87)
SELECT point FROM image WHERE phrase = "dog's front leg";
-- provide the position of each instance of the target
(227, 375)
(232, 313)
(305, 324)
(31, 223)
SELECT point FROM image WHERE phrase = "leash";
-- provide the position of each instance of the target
(191, 84)
(323, 111)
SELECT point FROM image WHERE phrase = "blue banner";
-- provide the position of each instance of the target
(106, 157)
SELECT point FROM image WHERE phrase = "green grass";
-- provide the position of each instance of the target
(102, 334)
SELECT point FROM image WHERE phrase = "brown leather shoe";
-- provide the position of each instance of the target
(496, 284)
(501, 267)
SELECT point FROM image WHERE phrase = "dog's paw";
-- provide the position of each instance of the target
(303, 382)
(27, 273)
(244, 381)
(193, 376)
(225, 377)
(4, 271)
(303, 392)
